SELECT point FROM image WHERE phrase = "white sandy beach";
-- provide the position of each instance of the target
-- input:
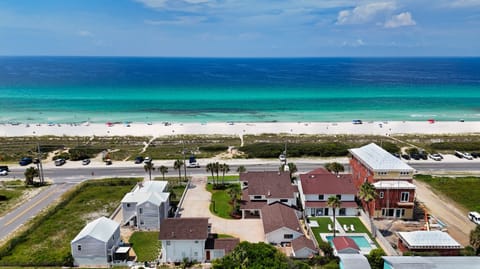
(223, 128)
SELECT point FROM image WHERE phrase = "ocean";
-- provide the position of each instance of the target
(101, 89)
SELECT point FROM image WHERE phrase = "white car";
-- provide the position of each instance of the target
(3, 173)
(474, 217)
(193, 165)
(282, 157)
(467, 156)
(435, 157)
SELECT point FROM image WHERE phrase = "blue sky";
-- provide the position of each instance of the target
(240, 28)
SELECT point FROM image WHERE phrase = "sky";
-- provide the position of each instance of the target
(240, 28)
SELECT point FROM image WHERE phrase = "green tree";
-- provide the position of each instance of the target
(234, 192)
(30, 174)
(475, 239)
(210, 168)
(177, 165)
(292, 168)
(224, 168)
(375, 258)
(334, 202)
(368, 194)
(216, 169)
(163, 170)
(335, 167)
(241, 169)
(149, 168)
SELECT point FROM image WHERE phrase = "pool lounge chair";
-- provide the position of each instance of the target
(330, 227)
(345, 227)
(352, 228)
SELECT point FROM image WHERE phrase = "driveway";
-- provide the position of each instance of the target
(196, 204)
(459, 226)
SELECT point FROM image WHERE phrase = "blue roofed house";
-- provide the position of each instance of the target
(96, 243)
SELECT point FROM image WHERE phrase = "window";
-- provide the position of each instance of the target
(257, 197)
(404, 197)
(288, 236)
(382, 173)
(128, 205)
(404, 173)
(381, 195)
(79, 247)
(320, 197)
(196, 241)
(339, 196)
(195, 254)
(342, 212)
(284, 200)
(140, 210)
(168, 243)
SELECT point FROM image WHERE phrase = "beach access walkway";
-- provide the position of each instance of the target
(197, 203)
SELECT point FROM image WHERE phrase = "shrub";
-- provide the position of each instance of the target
(213, 148)
(463, 146)
(272, 150)
(63, 155)
(80, 153)
(390, 147)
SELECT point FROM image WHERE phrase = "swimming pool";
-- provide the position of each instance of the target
(361, 240)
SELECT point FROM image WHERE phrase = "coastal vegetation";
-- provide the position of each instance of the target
(146, 245)
(463, 190)
(224, 201)
(10, 194)
(46, 240)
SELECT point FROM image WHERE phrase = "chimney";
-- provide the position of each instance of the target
(269, 194)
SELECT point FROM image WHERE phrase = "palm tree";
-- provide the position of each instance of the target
(149, 168)
(163, 170)
(30, 173)
(475, 238)
(177, 165)
(224, 168)
(216, 168)
(234, 192)
(292, 168)
(210, 168)
(334, 167)
(241, 169)
(368, 194)
(334, 202)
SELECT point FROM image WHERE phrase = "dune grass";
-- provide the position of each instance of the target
(146, 245)
(47, 241)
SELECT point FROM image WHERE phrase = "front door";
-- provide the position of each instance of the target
(326, 211)
(207, 254)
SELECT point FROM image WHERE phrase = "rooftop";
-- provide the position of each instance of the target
(354, 261)
(102, 229)
(227, 244)
(184, 229)
(151, 191)
(428, 239)
(278, 215)
(327, 183)
(302, 242)
(269, 183)
(432, 262)
(378, 159)
(393, 184)
(344, 242)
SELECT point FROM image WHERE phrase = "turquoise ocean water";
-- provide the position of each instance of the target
(76, 89)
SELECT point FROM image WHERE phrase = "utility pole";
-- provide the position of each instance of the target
(39, 165)
(184, 161)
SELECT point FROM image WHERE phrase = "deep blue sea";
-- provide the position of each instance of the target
(100, 89)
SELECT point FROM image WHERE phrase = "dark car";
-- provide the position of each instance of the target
(475, 154)
(458, 154)
(405, 156)
(423, 155)
(25, 161)
(139, 160)
(396, 155)
(4, 168)
(108, 162)
(415, 156)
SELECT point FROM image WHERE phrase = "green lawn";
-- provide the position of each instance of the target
(357, 223)
(228, 178)
(145, 245)
(10, 193)
(463, 190)
(47, 241)
(221, 200)
(322, 226)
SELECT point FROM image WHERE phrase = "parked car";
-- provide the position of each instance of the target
(282, 158)
(405, 156)
(25, 161)
(458, 154)
(139, 159)
(4, 167)
(59, 162)
(3, 172)
(108, 162)
(474, 217)
(423, 155)
(147, 160)
(464, 155)
(415, 156)
(193, 165)
(396, 155)
(475, 154)
(435, 156)
(85, 161)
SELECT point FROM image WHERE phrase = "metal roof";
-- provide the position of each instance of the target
(393, 184)
(151, 191)
(379, 159)
(353, 261)
(432, 262)
(102, 229)
(428, 239)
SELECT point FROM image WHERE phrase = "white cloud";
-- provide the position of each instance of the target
(84, 33)
(153, 3)
(356, 43)
(181, 20)
(465, 3)
(364, 13)
(402, 19)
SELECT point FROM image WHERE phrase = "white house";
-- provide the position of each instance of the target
(303, 247)
(146, 205)
(318, 185)
(96, 243)
(280, 223)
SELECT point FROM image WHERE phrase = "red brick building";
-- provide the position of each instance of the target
(391, 177)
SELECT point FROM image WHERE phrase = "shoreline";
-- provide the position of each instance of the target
(157, 129)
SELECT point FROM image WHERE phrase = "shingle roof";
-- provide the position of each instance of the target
(184, 229)
(246, 203)
(428, 239)
(393, 184)
(270, 183)
(278, 215)
(327, 183)
(302, 242)
(344, 242)
(102, 229)
(379, 159)
(227, 244)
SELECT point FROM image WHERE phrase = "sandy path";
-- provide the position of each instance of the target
(459, 226)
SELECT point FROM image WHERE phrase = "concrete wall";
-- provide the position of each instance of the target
(177, 250)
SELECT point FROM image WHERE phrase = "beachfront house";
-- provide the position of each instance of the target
(438, 242)
(265, 188)
(95, 244)
(391, 177)
(318, 185)
(280, 223)
(146, 206)
(190, 238)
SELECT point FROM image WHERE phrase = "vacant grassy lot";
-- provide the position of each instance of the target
(228, 178)
(463, 190)
(10, 192)
(145, 245)
(47, 241)
(221, 200)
